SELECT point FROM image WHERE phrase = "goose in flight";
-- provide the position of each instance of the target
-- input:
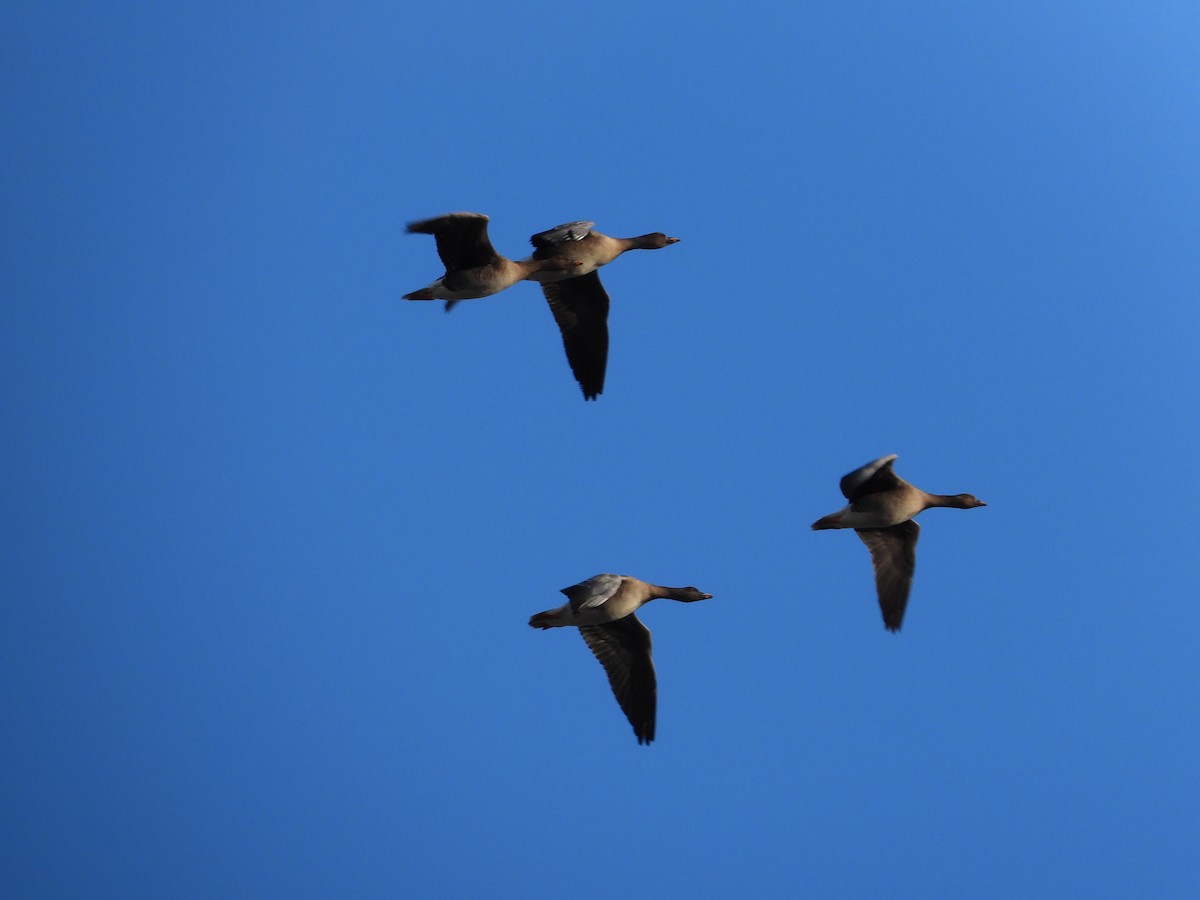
(881, 510)
(473, 267)
(603, 609)
(577, 298)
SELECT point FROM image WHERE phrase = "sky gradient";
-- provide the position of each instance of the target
(271, 535)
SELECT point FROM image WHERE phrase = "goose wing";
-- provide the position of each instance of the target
(894, 556)
(623, 648)
(560, 234)
(580, 307)
(462, 239)
(871, 479)
(596, 591)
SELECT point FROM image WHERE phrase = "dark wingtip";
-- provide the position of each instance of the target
(432, 226)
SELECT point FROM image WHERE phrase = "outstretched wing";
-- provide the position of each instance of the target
(623, 648)
(894, 556)
(872, 478)
(580, 307)
(462, 239)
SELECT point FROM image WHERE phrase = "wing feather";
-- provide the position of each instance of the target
(462, 239)
(580, 307)
(872, 478)
(623, 648)
(596, 591)
(560, 234)
(894, 556)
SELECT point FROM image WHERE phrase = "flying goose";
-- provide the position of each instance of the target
(577, 298)
(603, 608)
(881, 510)
(473, 267)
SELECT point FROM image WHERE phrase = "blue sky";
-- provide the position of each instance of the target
(272, 535)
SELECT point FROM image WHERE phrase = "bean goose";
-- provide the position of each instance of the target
(603, 608)
(881, 510)
(473, 267)
(577, 298)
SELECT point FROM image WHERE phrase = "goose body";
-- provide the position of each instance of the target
(603, 609)
(577, 299)
(881, 511)
(473, 267)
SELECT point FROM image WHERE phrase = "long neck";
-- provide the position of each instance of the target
(951, 500)
(658, 592)
(641, 242)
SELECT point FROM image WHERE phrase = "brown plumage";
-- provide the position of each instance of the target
(473, 267)
(577, 299)
(881, 509)
(603, 608)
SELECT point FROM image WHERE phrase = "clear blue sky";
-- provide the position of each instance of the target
(271, 536)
